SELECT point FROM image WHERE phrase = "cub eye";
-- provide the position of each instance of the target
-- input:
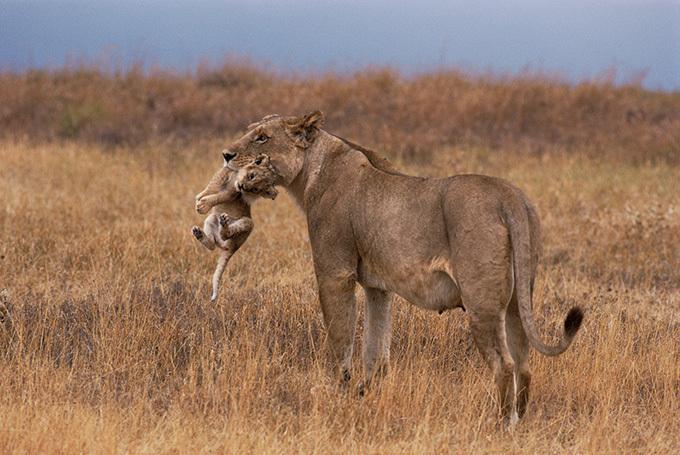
(255, 190)
(261, 139)
(251, 176)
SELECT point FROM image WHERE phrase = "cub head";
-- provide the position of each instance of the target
(257, 178)
(283, 139)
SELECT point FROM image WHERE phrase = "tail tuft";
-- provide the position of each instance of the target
(573, 321)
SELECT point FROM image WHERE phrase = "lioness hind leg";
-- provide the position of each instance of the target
(519, 349)
(486, 288)
(377, 334)
(488, 332)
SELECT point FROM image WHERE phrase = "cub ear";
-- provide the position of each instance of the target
(262, 160)
(270, 193)
(303, 131)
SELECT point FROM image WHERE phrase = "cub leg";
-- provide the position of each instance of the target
(205, 203)
(216, 182)
(207, 235)
(231, 228)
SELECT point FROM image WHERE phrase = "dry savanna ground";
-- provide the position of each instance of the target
(109, 342)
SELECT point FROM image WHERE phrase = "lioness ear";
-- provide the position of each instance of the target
(305, 130)
(313, 120)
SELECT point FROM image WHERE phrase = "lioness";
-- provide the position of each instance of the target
(467, 241)
(230, 195)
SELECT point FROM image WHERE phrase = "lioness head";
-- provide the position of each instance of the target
(257, 178)
(283, 139)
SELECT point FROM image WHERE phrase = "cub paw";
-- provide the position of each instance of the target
(224, 220)
(202, 206)
(198, 232)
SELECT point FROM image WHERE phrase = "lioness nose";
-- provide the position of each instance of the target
(227, 155)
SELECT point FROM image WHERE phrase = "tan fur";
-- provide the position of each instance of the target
(230, 195)
(467, 241)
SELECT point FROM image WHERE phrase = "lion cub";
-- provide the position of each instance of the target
(230, 194)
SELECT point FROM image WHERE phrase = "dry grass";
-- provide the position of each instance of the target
(110, 343)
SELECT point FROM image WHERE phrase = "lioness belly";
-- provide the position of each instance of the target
(427, 286)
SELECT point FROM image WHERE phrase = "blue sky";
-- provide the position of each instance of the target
(578, 38)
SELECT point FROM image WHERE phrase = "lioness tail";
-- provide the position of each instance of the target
(519, 229)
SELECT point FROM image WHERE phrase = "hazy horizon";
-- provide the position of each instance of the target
(578, 39)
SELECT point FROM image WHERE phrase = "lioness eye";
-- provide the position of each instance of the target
(261, 139)
(251, 176)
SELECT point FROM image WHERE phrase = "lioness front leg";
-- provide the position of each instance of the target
(338, 305)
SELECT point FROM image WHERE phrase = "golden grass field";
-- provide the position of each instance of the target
(110, 343)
